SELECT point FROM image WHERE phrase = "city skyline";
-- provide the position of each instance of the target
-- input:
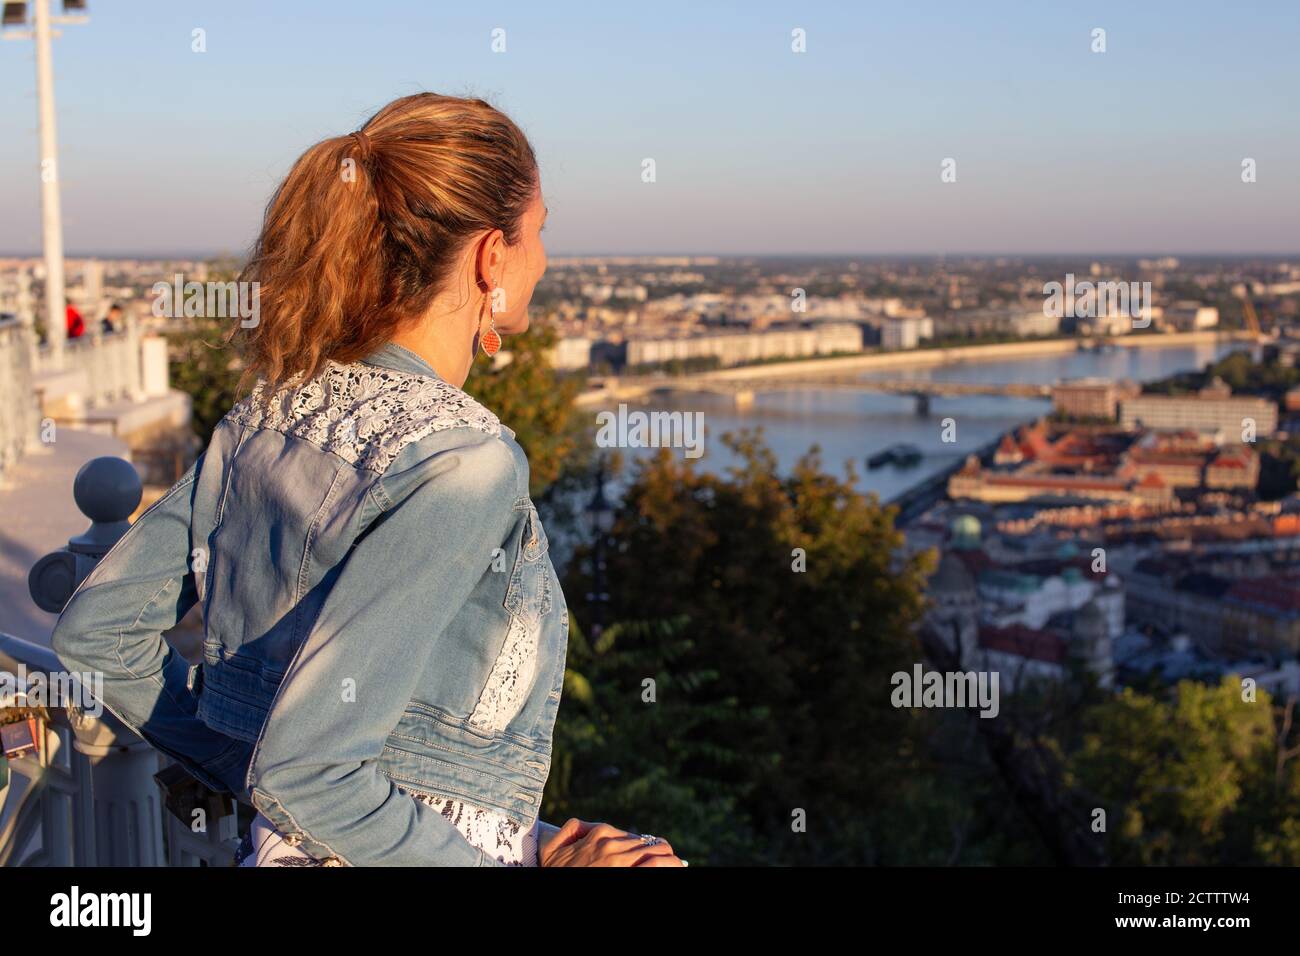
(833, 152)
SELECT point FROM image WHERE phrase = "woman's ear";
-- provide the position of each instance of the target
(490, 260)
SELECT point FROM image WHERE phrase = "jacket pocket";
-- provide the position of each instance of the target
(529, 594)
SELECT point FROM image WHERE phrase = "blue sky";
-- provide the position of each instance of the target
(758, 149)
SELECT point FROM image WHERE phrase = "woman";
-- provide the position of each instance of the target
(384, 633)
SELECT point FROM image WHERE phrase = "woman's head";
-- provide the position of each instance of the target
(435, 201)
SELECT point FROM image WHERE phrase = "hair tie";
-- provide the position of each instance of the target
(363, 144)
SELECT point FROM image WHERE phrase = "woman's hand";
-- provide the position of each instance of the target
(598, 844)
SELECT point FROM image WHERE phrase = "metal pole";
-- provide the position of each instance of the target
(51, 216)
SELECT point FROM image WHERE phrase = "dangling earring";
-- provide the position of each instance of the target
(490, 341)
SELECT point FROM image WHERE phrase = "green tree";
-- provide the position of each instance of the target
(633, 737)
(1192, 780)
(203, 362)
(207, 368)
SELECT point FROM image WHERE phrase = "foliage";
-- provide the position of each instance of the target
(632, 756)
(208, 369)
(1279, 467)
(1192, 780)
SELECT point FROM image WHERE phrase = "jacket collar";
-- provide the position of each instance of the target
(401, 359)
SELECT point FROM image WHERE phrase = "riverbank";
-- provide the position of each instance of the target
(631, 388)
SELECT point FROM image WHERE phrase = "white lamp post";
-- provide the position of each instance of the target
(15, 15)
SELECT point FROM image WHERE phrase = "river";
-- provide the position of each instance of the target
(849, 426)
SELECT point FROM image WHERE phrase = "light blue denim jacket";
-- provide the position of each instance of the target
(380, 611)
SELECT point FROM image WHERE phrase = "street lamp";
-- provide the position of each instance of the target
(599, 518)
(15, 15)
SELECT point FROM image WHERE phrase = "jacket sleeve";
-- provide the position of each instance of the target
(113, 627)
(314, 772)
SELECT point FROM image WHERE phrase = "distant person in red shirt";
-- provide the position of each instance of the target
(76, 326)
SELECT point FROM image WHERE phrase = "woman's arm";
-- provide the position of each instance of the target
(113, 626)
(314, 773)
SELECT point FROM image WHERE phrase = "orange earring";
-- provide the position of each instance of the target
(490, 341)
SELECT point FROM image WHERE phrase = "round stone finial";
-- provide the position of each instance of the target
(107, 489)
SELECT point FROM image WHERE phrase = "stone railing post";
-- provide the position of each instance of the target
(127, 806)
(107, 490)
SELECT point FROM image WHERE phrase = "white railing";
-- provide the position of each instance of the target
(109, 361)
(87, 795)
(19, 412)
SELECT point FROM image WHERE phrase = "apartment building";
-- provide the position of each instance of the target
(735, 348)
(1213, 409)
(1095, 398)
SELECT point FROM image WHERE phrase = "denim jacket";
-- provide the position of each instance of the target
(381, 615)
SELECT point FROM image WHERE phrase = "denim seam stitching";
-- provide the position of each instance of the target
(306, 554)
(377, 488)
(229, 477)
(217, 521)
(257, 747)
(477, 773)
(121, 632)
(441, 716)
(513, 590)
(451, 750)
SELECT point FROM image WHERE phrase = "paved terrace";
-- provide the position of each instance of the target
(37, 516)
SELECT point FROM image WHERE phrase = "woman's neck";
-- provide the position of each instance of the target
(445, 342)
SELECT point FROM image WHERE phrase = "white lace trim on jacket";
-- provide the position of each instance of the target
(363, 413)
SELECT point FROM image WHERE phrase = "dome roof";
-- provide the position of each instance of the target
(965, 532)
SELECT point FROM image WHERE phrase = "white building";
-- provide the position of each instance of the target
(734, 348)
(1031, 601)
(1212, 410)
(570, 353)
(1191, 316)
(905, 333)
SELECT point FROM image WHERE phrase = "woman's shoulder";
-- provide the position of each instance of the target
(382, 420)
